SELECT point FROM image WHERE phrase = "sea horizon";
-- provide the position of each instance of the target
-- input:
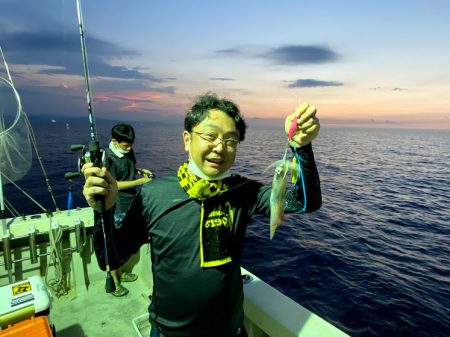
(325, 122)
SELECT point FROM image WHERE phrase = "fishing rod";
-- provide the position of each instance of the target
(95, 155)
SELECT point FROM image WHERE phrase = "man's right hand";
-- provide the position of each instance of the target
(99, 182)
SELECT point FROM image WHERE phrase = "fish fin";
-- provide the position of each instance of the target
(274, 164)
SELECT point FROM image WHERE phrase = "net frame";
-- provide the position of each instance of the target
(15, 140)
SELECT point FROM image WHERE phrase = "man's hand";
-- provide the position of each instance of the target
(146, 173)
(99, 182)
(307, 125)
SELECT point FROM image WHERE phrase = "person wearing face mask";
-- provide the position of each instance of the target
(122, 166)
(195, 220)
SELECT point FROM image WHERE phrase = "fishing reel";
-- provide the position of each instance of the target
(99, 157)
(150, 175)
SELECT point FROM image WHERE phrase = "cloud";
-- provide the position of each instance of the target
(229, 52)
(285, 55)
(295, 54)
(119, 85)
(52, 53)
(63, 54)
(310, 83)
(398, 89)
(221, 79)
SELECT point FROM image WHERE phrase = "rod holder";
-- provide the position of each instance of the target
(7, 250)
(78, 241)
(32, 243)
(54, 227)
(54, 235)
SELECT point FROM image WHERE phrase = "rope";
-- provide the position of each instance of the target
(6, 65)
(57, 284)
(33, 139)
(10, 208)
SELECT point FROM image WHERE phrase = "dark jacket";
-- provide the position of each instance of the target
(123, 169)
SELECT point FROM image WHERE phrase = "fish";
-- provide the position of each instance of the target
(279, 182)
(277, 194)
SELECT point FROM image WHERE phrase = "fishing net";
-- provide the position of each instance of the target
(15, 137)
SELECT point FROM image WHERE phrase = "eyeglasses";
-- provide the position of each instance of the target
(212, 139)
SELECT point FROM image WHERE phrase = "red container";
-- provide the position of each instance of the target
(33, 327)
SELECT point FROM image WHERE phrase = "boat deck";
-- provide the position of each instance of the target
(96, 313)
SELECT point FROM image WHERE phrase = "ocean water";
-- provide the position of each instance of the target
(374, 260)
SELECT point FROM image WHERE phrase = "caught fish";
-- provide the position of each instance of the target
(279, 182)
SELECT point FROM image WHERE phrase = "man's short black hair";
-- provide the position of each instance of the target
(200, 110)
(123, 133)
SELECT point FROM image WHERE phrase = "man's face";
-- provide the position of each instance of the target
(212, 144)
(124, 146)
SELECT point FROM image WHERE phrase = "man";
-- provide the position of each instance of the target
(122, 166)
(195, 221)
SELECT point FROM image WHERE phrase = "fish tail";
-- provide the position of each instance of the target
(272, 231)
(274, 225)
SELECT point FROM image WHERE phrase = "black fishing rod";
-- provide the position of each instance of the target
(95, 155)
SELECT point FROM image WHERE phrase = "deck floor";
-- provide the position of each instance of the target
(98, 314)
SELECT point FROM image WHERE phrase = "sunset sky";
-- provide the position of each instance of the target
(379, 63)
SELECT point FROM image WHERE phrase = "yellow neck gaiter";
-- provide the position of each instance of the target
(215, 223)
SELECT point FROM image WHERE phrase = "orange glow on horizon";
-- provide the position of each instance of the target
(145, 96)
(131, 106)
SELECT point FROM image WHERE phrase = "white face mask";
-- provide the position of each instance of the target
(196, 170)
(117, 150)
(120, 150)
